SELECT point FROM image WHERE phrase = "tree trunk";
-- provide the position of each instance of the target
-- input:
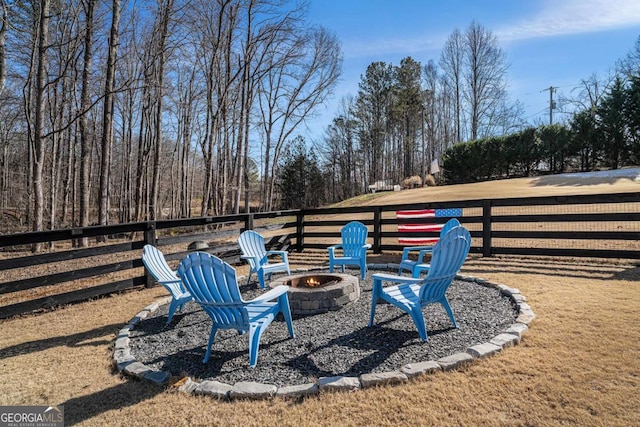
(161, 58)
(85, 143)
(107, 116)
(4, 26)
(38, 154)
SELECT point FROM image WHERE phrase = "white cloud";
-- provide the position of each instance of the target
(574, 17)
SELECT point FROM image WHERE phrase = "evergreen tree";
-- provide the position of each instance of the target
(299, 179)
(406, 109)
(611, 121)
(632, 117)
(372, 110)
(584, 139)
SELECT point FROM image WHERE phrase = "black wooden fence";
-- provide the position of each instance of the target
(601, 226)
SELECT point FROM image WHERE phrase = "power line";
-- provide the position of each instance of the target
(535, 114)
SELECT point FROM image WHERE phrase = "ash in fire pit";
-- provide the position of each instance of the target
(319, 293)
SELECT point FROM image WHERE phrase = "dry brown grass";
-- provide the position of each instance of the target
(578, 364)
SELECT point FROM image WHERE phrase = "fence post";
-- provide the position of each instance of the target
(248, 222)
(150, 239)
(377, 229)
(486, 228)
(299, 231)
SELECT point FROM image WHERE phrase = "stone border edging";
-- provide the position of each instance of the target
(129, 366)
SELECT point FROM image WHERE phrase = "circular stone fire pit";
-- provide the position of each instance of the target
(319, 293)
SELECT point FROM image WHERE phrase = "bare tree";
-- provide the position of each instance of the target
(630, 64)
(451, 62)
(431, 116)
(85, 101)
(160, 57)
(4, 27)
(343, 160)
(107, 115)
(303, 71)
(485, 70)
(39, 109)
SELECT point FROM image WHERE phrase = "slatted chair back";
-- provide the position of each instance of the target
(448, 256)
(254, 251)
(156, 264)
(354, 237)
(415, 266)
(252, 246)
(213, 284)
(354, 248)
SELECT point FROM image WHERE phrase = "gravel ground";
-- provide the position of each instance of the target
(328, 344)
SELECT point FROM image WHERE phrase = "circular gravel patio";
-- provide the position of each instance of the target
(336, 345)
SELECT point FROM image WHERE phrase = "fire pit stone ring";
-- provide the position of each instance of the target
(315, 293)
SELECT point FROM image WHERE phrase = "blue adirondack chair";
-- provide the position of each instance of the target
(254, 251)
(411, 294)
(157, 266)
(410, 264)
(213, 284)
(354, 248)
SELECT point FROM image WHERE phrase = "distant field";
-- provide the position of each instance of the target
(619, 181)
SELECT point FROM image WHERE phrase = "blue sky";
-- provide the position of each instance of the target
(547, 42)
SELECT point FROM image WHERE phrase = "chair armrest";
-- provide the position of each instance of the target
(333, 248)
(422, 251)
(250, 260)
(283, 254)
(272, 294)
(395, 279)
(364, 248)
(176, 280)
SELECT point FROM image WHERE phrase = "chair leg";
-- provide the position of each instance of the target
(254, 345)
(211, 338)
(375, 294)
(402, 268)
(172, 309)
(283, 302)
(261, 278)
(447, 307)
(418, 319)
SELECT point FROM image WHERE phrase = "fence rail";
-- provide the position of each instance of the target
(601, 226)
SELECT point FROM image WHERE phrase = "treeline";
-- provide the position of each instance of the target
(119, 111)
(405, 116)
(456, 111)
(604, 136)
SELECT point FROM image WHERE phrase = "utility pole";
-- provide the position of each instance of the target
(552, 104)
